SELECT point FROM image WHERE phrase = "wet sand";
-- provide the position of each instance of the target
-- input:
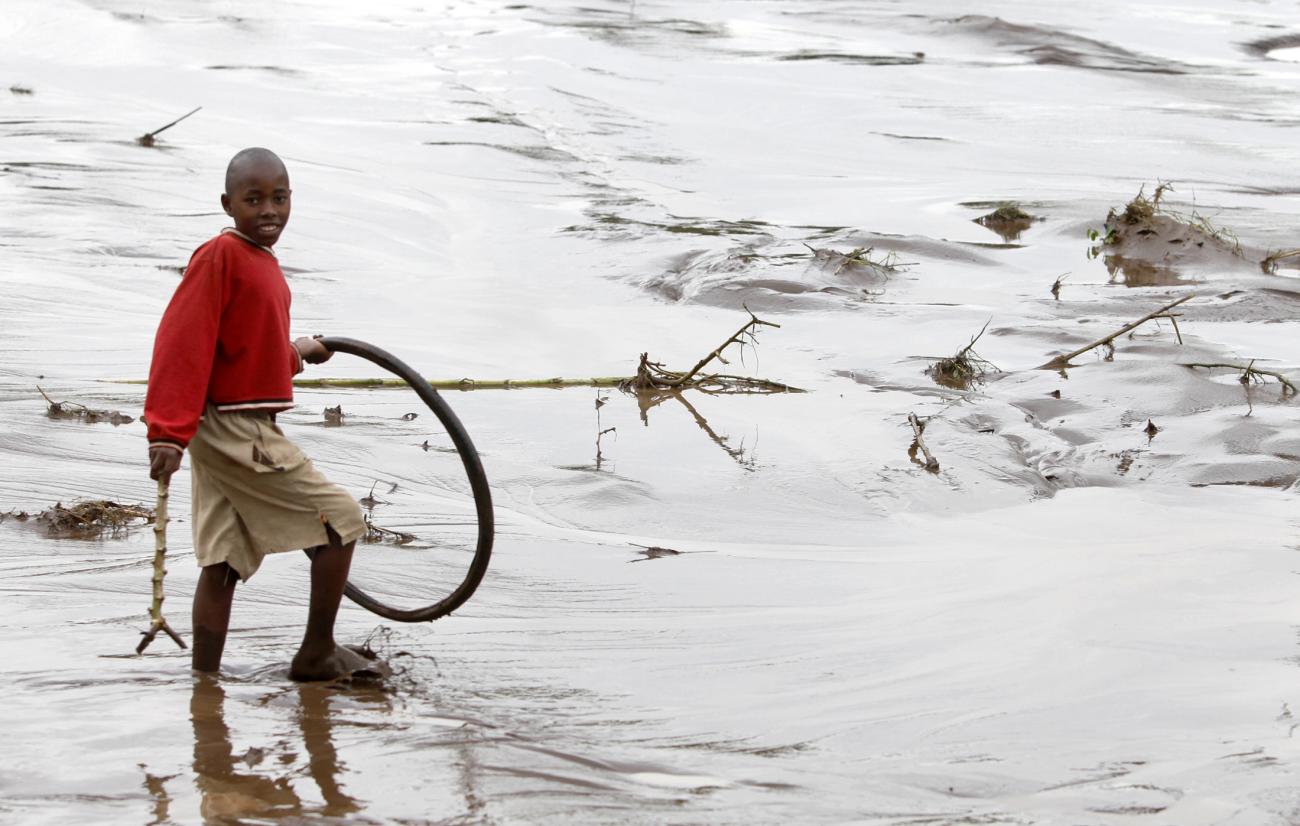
(1073, 621)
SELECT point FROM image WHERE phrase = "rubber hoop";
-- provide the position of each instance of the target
(473, 470)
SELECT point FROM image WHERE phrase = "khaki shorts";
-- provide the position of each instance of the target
(256, 493)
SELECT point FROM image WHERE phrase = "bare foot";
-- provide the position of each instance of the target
(341, 662)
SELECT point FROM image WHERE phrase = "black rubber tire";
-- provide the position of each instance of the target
(473, 470)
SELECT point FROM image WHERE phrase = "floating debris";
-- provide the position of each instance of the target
(376, 535)
(963, 368)
(89, 520)
(73, 410)
(918, 445)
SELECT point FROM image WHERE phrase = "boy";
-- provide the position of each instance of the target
(223, 366)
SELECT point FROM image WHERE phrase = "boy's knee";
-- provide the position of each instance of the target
(220, 575)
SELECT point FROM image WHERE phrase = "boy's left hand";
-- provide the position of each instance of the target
(312, 351)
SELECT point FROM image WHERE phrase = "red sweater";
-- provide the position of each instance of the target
(224, 340)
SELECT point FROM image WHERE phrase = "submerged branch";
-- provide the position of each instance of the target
(918, 443)
(1249, 373)
(1064, 360)
(147, 139)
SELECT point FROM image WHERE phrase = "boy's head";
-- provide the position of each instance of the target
(257, 194)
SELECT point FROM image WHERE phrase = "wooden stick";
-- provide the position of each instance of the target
(1064, 361)
(918, 427)
(159, 623)
(147, 139)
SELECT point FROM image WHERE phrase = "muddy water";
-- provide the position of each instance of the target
(1073, 621)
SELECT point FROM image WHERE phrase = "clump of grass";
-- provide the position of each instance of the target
(1007, 219)
(963, 368)
(1141, 212)
(90, 520)
(1009, 211)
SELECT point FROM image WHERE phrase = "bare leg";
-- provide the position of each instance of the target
(211, 618)
(318, 657)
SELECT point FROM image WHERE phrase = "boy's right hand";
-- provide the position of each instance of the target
(163, 462)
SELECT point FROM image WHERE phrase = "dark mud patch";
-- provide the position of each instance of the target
(1052, 47)
(548, 154)
(503, 118)
(897, 136)
(764, 272)
(622, 27)
(854, 59)
(1266, 46)
(750, 275)
(239, 67)
(619, 227)
(21, 90)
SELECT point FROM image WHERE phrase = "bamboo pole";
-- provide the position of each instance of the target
(158, 622)
(468, 384)
(448, 384)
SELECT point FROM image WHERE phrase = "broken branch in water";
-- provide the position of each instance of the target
(963, 367)
(654, 376)
(375, 534)
(1064, 360)
(918, 443)
(1056, 285)
(1249, 373)
(837, 262)
(1269, 264)
(147, 139)
(158, 622)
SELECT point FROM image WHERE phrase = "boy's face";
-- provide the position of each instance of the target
(259, 201)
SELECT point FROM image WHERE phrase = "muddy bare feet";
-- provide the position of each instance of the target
(343, 661)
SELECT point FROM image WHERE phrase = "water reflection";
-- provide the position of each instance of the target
(648, 400)
(1135, 272)
(231, 787)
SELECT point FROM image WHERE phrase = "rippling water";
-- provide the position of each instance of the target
(1073, 621)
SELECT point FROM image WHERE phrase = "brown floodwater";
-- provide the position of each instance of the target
(1087, 615)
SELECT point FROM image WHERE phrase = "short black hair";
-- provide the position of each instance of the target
(245, 158)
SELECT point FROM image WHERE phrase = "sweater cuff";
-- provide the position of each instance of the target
(179, 448)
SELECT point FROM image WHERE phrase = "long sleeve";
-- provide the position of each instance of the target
(184, 350)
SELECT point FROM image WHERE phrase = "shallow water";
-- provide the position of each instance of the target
(1071, 622)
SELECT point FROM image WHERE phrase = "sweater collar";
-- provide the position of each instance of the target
(235, 232)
